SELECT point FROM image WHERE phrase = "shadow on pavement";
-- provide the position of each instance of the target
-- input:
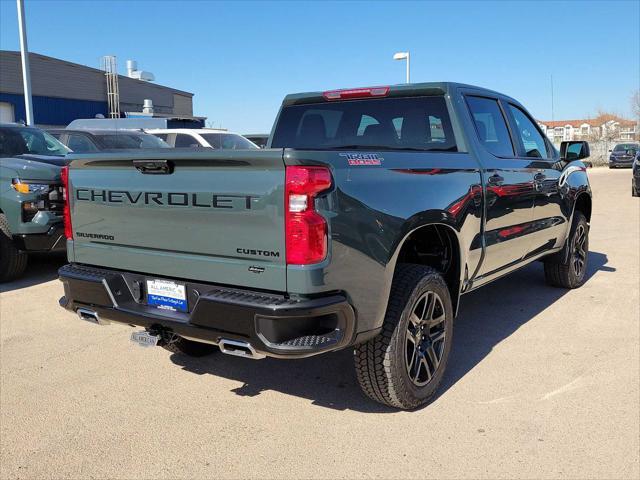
(41, 268)
(486, 317)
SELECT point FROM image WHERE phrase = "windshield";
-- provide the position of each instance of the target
(623, 147)
(411, 123)
(228, 141)
(131, 140)
(18, 141)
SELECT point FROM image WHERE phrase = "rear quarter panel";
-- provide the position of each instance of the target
(373, 208)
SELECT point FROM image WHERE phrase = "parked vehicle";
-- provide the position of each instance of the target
(137, 123)
(31, 200)
(203, 138)
(260, 139)
(89, 141)
(397, 201)
(635, 180)
(623, 154)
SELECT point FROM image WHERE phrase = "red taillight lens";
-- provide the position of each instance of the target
(66, 215)
(305, 229)
(356, 93)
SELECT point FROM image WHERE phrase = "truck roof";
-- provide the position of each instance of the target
(426, 88)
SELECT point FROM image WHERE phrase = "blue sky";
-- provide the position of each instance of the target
(241, 58)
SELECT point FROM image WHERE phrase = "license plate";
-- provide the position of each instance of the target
(144, 339)
(167, 295)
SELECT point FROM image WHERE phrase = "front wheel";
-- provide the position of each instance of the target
(571, 271)
(403, 365)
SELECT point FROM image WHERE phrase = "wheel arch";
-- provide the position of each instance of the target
(583, 204)
(438, 245)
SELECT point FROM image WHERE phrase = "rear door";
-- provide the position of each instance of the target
(509, 193)
(214, 217)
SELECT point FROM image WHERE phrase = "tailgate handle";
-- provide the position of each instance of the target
(154, 167)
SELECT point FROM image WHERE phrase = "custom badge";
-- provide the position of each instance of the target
(358, 159)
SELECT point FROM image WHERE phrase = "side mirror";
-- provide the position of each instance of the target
(574, 150)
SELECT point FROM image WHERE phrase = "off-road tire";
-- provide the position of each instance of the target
(561, 272)
(380, 363)
(189, 348)
(12, 261)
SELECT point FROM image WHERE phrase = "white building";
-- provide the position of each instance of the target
(617, 128)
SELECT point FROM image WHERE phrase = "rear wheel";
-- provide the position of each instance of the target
(188, 347)
(404, 364)
(12, 261)
(571, 270)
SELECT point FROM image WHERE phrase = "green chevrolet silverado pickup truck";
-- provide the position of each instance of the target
(31, 200)
(371, 212)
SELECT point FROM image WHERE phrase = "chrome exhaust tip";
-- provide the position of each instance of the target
(239, 349)
(90, 316)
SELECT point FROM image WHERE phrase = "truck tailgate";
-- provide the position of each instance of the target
(215, 216)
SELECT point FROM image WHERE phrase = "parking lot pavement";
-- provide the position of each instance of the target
(542, 383)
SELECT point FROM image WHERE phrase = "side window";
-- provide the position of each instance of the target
(161, 136)
(532, 139)
(490, 125)
(80, 143)
(185, 141)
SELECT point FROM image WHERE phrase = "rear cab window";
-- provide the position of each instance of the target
(396, 123)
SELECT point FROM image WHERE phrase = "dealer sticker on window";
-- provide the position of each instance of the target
(167, 295)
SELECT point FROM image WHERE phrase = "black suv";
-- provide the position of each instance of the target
(623, 154)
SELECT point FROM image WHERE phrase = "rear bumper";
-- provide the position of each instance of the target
(273, 324)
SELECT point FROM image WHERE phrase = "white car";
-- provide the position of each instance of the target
(202, 138)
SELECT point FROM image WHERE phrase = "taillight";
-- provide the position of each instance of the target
(356, 93)
(305, 228)
(66, 211)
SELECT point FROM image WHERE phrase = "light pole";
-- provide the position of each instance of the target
(24, 54)
(403, 56)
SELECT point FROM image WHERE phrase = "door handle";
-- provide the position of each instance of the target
(495, 180)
